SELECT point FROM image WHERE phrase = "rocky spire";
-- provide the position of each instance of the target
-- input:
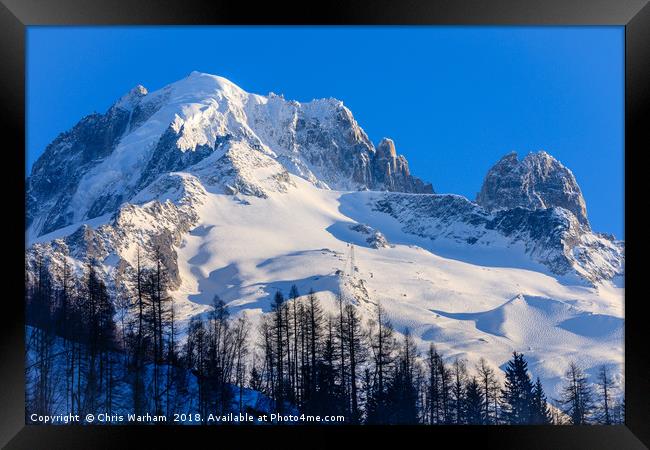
(538, 181)
(129, 100)
(390, 171)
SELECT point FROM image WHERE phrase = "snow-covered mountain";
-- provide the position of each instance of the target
(246, 194)
(106, 159)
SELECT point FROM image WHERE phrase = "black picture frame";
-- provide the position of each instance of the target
(16, 15)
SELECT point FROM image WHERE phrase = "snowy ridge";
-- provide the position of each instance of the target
(550, 236)
(144, 135)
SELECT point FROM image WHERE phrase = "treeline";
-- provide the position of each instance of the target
(70, 343)
(333, 364)
(89, 350)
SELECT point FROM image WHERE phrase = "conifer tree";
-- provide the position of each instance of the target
(314, 318)
(458, 390)
(294, 295)
(401, 403)
(40, 340)
(341, 332)
(577, 396)
(474, 403)
(605, 388)
(195, 356)
(241, 350)
(433, 385)
(382, 345)
(517, 392)
(540, 413)
(278, 333)
(489, 390)
(356, 355)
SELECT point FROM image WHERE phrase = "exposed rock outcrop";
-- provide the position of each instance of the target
(538, 181)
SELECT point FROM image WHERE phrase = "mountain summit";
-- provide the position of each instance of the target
(105, 159)
(538, 181)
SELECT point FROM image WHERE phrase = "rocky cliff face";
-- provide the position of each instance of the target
(538, 181)
(391, 171)
(157, 220)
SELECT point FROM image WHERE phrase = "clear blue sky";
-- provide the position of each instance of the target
(454, 99)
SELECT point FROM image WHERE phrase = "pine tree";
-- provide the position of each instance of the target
(303, 368)
(617, 410)
(445, 393)
(195, 357)
(382, 345)
(433, 385)
(518, 391)
(241, 333)
(288, 330)
(267, 372)
(278, 333)
(137, 367)
(220, 363)
(474, 403)
(327, 398)
(341, 332)
(65, 328)
(356, 356)
(173, 375)
(294, 295)
(540, 413)
(458, 390)
(106, 344)
(605, 388)
(577, 396)
(438, 388)
(255, 380)
(401, 403)
(40, 340)
(155, 301)
(313, 331)
(489, 390)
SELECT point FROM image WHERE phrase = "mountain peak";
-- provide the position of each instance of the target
(541, 157)
(145, 135)
(386, 148)
(131, 98)
(391, 171)
(509, 157)
(538, 181)
(140, 90)
(206, 83)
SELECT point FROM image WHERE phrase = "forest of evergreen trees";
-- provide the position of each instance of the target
(90, 351)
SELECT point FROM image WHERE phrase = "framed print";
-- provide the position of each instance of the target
(376, 219)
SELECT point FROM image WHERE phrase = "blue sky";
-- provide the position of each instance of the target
(454, 99)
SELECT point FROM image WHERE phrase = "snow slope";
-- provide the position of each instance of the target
(244, 252)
